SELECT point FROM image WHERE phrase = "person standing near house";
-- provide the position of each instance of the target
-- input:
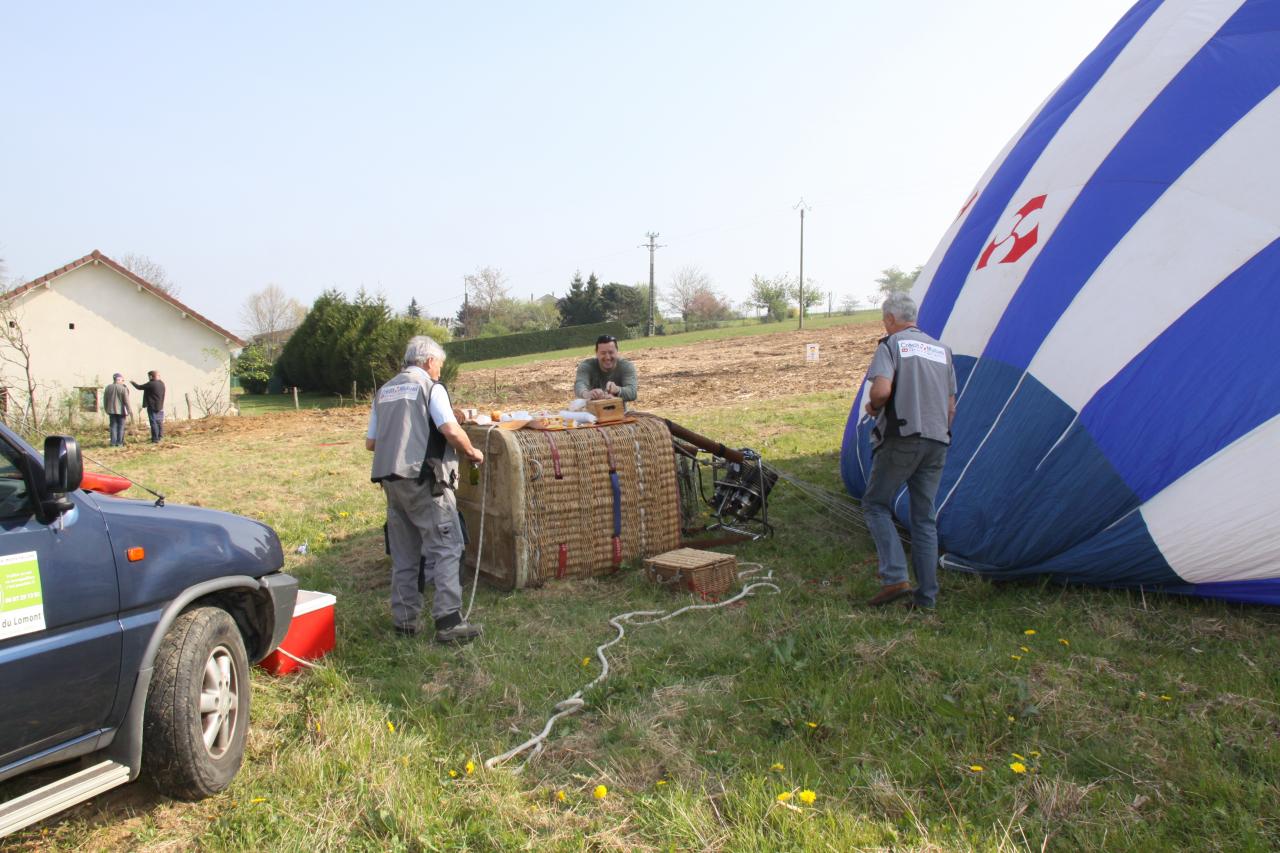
(416, 442)
(913, 401)
(115, 402)
(153, 401)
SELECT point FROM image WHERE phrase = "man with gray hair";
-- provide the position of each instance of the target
(912, 400)
(415, 440)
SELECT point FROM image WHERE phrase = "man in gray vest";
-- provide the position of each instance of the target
(415, 440)
(913, 401)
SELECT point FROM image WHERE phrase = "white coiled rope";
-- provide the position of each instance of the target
(635, 618)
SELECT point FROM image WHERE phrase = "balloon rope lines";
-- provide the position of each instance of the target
(635, 618)
(828, 503)
(484, 493)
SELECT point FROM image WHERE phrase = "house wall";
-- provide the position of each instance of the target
(119, 327)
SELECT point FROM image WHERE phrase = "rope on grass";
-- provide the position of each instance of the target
(635, 618)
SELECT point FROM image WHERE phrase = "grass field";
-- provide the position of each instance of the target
(1020, 717)
(822, 321)
(260, 404)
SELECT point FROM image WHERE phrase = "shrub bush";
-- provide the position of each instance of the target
(479, 349)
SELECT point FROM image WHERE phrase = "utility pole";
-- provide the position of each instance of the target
(802, 207)
(652, 246)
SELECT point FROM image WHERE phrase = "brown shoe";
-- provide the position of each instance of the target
(890, 593)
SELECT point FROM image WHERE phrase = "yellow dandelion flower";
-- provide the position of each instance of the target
(659, 783)
(807, 797)
(1030, 632)
(391, 727)
(977, 768)
(258, 800)
(453, 774)
(811, 725)
(1064, 642)
(1015, 657)
(1018, 767)
(317, 725)
(470, 767)
(777, 767)
(600, 792)
(343, 514)
(1165, 697)
(1009, 717)
(560, 797)
(784, 796)
(586, 661)
(404, 759)
(1024, 648)
(1019, 757)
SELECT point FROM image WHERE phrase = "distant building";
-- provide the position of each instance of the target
(92, 318)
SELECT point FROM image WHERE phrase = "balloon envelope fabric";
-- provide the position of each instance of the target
(1111, 291)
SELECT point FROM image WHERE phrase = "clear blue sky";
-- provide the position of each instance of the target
(398, 146)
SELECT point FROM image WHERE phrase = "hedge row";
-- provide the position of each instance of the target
(523, 343)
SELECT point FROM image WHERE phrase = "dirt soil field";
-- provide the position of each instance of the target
(760, 367)
(673, 379)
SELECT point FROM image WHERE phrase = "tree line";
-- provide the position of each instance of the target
(340, 342)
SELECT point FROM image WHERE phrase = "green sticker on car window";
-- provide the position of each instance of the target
(21, 599)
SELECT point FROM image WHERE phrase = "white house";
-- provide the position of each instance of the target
(92, 318)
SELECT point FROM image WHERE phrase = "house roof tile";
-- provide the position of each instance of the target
(97, 256)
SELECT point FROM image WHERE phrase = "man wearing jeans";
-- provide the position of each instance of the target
(115, 402)
(153, 401)
(913, 400)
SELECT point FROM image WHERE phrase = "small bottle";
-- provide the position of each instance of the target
(475, 474)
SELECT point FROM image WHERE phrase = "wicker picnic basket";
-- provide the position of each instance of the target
(572, 503)
(703, 573)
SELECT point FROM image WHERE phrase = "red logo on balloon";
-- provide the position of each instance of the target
(1022, 235)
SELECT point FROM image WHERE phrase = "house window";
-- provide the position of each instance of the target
(88, 399)
(71, 325)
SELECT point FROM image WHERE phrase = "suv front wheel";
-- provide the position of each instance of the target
(198, 706)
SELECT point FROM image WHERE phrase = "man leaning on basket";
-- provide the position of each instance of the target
(415, 440)
(607, 375)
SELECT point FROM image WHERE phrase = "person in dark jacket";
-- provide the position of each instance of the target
(153, 401)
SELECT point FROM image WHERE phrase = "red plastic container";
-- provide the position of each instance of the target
(311, 635)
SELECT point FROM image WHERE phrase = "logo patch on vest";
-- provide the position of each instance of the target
(405, 391)
(920, 349)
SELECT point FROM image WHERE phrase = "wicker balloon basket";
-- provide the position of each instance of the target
(703, 573)
(571, 503)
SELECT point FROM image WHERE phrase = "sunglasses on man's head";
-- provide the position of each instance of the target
(606, 339)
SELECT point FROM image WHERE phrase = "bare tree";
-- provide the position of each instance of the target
(849, 304)
(15, 357)
(149, 271)
(486, 287)
(683, 291)
(269, 315)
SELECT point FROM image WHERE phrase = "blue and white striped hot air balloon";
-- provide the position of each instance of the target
(1112, 294)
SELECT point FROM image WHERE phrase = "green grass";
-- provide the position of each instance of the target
(259, 404)
(1153, 726)
(822, 321)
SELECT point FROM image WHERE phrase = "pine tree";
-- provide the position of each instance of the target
(413, 310)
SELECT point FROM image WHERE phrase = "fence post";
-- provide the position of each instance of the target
(187, 397)
(295, 398)
(353, 392)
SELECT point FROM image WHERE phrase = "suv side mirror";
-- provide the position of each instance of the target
(63, 466)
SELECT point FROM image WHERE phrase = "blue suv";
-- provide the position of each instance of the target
(126, 633)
